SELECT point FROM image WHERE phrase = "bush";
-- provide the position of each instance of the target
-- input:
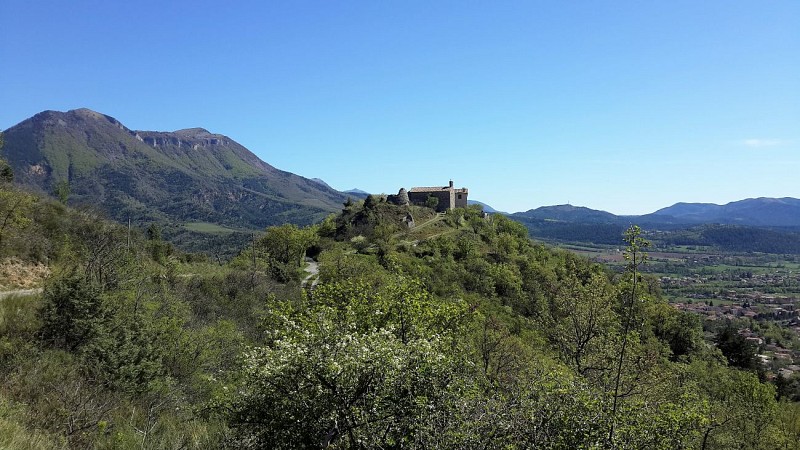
(72, 313)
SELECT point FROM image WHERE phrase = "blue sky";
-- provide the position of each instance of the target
(622, 106)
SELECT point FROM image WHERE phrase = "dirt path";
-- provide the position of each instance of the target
(437, 218)
(313, 272)
(21, 292)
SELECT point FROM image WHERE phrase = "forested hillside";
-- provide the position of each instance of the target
(458, 332)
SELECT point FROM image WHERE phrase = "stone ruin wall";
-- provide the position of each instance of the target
(445, 199)
(460, 202)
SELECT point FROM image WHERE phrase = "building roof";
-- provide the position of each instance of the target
(436, 189)
(430, 189)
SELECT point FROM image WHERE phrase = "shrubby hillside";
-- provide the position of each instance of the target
(458, 332)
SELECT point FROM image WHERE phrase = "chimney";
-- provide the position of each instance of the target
(451, 183)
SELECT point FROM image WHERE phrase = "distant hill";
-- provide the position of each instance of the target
(356, 193)
(767, 225)
(770, 212)
(486, 208)
(178, 177)
(569, 213)
(758, 212)
(687, 210)
(568, 223)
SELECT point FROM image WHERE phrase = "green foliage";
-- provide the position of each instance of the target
(432, 202)
(126, 355)
(739, 351)
(15, 211)
(6, 172)
(280, 251)
(682, 331)
(153, 232)
(73, 313)
(370, 202)
(458, 333)
(61, 190)
(287, 244)
(365, 367)
(109, 356)
(159, 250)
(579, 321)
(742, 410)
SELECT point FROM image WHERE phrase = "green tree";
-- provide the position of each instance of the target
(62, 191)
(72, 314)
(739, 351)
(501, 354)
(635, 255)
(682, 331)
(355, 367)
(159, 250)
(125, 353)
(286, 246)
(742, 409)
(6, 172)
(580, 322)
(153, 232)
(371, 201)
(14, 206)
(15, 211)
(432, 202)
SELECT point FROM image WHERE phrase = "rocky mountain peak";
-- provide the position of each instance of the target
(196, 133)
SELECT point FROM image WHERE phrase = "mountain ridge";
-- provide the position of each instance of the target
(760, 211)
(183, 176)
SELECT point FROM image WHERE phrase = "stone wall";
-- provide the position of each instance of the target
(446, 199)
(461, 198)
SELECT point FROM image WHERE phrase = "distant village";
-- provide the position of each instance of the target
(749, 304)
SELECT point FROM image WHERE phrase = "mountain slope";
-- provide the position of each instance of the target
(189, 175)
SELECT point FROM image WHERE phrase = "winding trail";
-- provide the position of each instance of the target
(313, 272)
(21, 292)
(437, 218)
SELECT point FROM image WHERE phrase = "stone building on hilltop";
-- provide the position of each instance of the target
(447, 197)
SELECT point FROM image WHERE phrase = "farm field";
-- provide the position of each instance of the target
(205, 227)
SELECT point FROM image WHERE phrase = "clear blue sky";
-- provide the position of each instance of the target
(622, 106)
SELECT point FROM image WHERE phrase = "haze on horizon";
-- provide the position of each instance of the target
(624, 108)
